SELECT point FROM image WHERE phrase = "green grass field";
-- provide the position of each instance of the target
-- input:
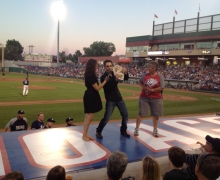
(57, 88)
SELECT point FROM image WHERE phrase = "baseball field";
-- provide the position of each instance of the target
(60, 98)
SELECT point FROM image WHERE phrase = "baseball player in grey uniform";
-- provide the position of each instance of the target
(18, 123)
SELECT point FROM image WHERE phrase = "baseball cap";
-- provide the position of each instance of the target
(51, 120)
(21, 112)
(69, 119)
(215, 142)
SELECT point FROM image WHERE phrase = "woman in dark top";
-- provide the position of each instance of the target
(91, 99)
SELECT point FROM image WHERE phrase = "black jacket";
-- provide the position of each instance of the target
(111, 90)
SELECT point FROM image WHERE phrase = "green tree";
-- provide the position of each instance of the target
(76, 56)
(99, 48)
(13, 50)
(70, 57)
(62, 55)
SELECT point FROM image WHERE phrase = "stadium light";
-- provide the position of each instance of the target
(3, 64)
(58, 11)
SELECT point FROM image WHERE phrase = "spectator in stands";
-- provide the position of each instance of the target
(116, 165)
(208, 167)
(151, 169)
(49, 124)
(209, 75)
(15, 175)
(38, 124)
(18, 123)
(69, 122)
(56, 173)
(177, 156)
(212, 146)
(152, 85)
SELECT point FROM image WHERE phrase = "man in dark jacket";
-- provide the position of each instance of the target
(113, 98)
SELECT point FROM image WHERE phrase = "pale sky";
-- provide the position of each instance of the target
(30, 21)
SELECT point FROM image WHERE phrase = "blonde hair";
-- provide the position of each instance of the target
(151, 169)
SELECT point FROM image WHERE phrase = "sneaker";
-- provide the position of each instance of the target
(99, 135)
(136, 131)
(155, 133)
(124, 133)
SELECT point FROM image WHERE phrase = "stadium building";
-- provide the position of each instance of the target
(186, 42)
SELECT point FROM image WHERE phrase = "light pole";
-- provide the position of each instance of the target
(58, 39)
(58, 11)
(3, 62)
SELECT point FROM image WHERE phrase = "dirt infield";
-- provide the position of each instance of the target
(169, 97)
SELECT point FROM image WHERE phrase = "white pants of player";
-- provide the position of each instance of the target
(25, 90)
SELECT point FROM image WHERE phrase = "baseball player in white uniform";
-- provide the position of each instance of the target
(25, 88)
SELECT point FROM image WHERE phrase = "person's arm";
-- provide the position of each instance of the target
(158, 89)
(98, 87)
(201, 144)
(126, 76)
(112, 81)
(150, 90)
(141, 84)
(26, 125)
(33, 125)
(191, 159)
(6, 129)
(8, 125)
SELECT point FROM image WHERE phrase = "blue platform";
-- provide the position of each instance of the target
(35, 152)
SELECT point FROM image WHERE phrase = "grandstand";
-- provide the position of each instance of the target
(190, 42)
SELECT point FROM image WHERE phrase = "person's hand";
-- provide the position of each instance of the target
(116, 77)
(147, 90)
(201, 144)
(106, 79)
(68, 177)
(124, 70)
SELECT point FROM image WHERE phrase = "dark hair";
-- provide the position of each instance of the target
(90, 67)
(209, 165)
(106, 61)
(154, 64)
(56, 173)
(15, 175)
(177, 156)
(116, 165)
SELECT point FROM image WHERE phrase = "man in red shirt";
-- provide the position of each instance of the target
(152, 85)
